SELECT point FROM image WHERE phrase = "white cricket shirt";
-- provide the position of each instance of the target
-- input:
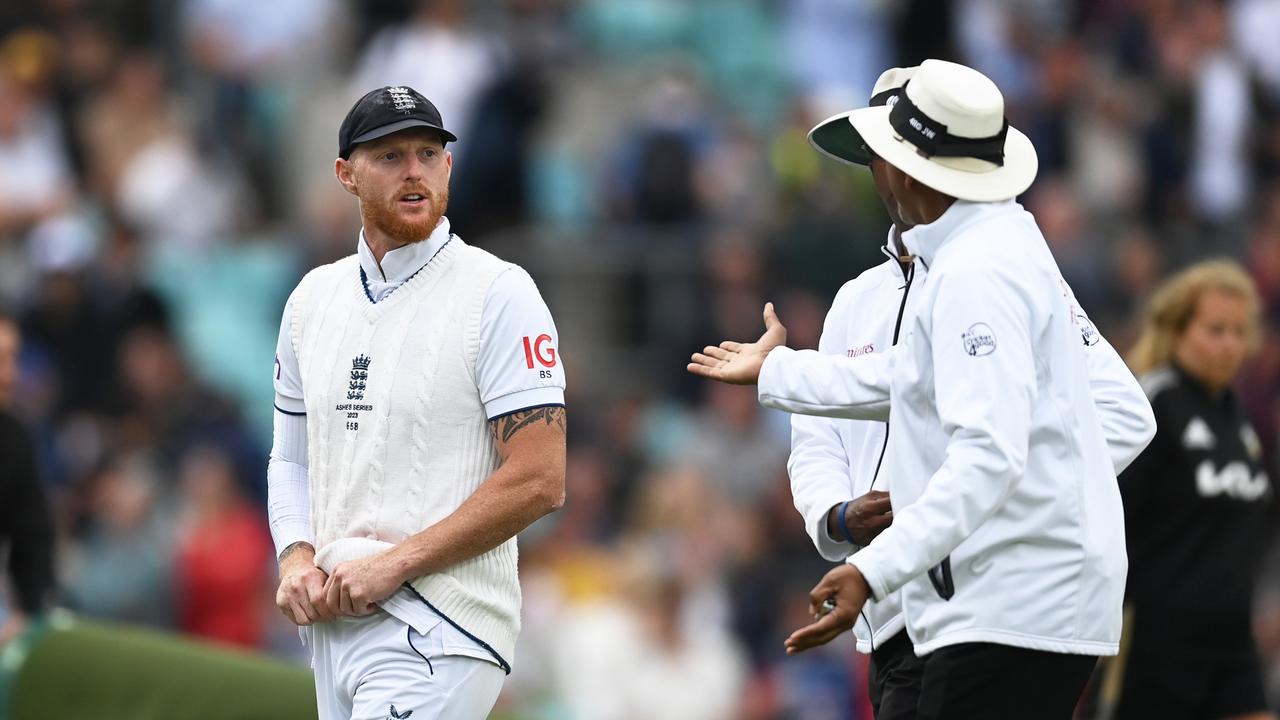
(517, 367)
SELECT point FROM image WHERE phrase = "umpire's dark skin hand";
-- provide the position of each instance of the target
(845, 586)
(865, 517)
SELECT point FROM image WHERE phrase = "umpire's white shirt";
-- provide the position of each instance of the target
(997, 454)
(834, 460)
(509, 377)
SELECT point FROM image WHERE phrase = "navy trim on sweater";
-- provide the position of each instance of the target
(506, 667)
(523, 409)
(364, 279)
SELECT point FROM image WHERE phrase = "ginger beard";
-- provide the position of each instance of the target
(404, 225)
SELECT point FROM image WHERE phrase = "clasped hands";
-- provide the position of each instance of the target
(308, 595)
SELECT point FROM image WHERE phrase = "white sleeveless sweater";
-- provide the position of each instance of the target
(396, 432)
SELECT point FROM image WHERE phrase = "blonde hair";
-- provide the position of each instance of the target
(1174, 304)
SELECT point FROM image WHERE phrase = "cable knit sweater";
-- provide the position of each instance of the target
(397, 435)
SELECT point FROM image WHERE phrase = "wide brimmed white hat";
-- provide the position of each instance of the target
(836, 138)
(948, 131)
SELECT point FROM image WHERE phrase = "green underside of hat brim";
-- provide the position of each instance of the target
(838, 139)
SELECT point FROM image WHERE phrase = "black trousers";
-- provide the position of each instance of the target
(1179, 685)
(981, 681)
(895, 678)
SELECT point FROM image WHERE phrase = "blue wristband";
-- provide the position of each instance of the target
(843, 527)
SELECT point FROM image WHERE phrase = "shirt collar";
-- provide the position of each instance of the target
(400, 264)
(890, 249)
(925, 241)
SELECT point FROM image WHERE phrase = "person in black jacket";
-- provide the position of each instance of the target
(1198, 509)
(26, 527)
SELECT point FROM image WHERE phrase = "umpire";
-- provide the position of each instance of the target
(1006, 538)
(836, 465)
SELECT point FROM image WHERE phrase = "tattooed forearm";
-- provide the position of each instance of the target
(505, 427)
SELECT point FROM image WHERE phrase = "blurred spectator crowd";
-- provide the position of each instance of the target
(166, 177)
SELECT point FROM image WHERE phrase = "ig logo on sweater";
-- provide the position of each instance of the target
(979, 339)
(543, 350)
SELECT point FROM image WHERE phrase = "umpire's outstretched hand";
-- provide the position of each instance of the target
(739, 363)
(847, 590)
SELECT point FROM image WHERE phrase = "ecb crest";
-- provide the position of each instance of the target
(359, 374)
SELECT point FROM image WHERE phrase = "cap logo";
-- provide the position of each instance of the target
(402, 99)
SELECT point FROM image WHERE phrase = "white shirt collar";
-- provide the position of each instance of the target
(890, 250)
(400, 264)
(890, 247)
(924, 241)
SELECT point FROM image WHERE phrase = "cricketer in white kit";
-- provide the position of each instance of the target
(420, 426)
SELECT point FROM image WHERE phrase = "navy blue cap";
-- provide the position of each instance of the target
(387, 110)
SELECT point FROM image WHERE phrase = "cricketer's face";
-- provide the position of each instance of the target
(402, 181)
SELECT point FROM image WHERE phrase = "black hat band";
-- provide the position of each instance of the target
(882, 97)
(932, 139)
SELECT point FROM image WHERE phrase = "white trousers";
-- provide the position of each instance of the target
(378, 668)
